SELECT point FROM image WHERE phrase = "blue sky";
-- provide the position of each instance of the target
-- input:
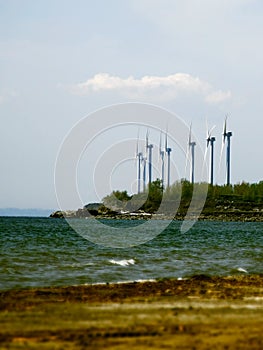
(61, 60)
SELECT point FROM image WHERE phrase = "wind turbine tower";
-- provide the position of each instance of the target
(144, 160)
(192, 145)
(162, 153)
(168, 151)
(150, 148)
(210, 140)
(226, 136)
(140, 157)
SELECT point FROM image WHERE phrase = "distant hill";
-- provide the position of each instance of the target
(25, 212)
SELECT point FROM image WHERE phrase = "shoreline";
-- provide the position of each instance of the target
(221, 216)
(198, 313)
(235, 286)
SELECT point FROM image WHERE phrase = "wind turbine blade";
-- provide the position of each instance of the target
(224, 130)
(223, 144)
(213, 127)
(187, 160)
(207, 129)
(206, 149)
(161, 152)
(208, 136)
(190, 135)
(207, 143)
(166, 138)
(137, 147)
(147, 145)
(160, 156)
(187, 157)
(221, 154)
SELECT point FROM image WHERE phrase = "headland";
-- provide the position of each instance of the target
(240, 202)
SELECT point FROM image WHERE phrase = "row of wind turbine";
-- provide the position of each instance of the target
(168, 150)
(226, 136)
(147, 159)
(191, 145)
(210, 141)
(149, 149)
(165, 150)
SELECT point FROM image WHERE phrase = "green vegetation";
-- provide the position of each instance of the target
(243, 195)
(148, 201)
(239, 202)
(154, 198)
(117, 200)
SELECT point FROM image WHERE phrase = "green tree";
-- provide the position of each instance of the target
(117, 200)
(155, 194)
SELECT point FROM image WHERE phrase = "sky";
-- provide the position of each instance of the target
(61, 61)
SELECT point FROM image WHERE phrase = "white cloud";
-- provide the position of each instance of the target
(148, 87)
(218, 96)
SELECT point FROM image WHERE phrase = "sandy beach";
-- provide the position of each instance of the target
(197, 313)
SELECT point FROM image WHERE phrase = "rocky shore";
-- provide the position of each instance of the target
(223, 212)
(201, 313)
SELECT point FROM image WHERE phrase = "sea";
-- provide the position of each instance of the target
(43, 252)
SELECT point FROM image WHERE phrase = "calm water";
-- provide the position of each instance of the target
(47, 252)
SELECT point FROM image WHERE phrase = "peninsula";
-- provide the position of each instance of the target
(240, 202)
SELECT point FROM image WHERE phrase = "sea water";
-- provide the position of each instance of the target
(38, 252)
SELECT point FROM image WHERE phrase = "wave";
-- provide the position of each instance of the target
(124, 262)
(240, 269)
(118, 282)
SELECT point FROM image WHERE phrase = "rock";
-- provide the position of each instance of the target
(63, 214)
(93, 208)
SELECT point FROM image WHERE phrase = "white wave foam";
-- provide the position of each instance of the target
(143, 281)
(118, 282)
(240, 269)
(125, 262)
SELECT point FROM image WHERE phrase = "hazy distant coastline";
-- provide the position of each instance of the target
(25, 212)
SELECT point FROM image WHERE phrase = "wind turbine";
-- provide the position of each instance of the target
(149, 147)
(192, 145)
(226, 136)
(161, 153)
(139, 155)
(168, 151)
(144, 161)
(210, 140)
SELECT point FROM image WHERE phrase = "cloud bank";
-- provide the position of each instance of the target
(148, 87)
